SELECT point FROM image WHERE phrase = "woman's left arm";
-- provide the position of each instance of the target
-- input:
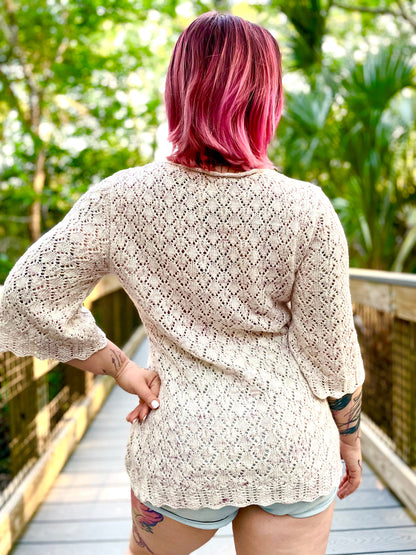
(41, 305)
(128, 375)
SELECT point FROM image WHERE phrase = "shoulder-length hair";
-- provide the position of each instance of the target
(223, 93)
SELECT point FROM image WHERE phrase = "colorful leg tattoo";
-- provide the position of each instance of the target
(145, 519)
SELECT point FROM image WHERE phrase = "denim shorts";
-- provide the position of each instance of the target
(210, 519)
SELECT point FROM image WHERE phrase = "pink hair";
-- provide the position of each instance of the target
(223, 93)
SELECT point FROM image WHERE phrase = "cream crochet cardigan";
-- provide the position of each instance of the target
(241, 281)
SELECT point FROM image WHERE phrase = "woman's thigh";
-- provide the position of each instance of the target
(154, 533)
(256, 531)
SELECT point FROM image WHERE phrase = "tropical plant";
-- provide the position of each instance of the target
(373, 133)
(352, 136)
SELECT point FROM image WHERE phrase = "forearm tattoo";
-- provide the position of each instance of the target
(349, 422)
(339, 404)
(116, 359)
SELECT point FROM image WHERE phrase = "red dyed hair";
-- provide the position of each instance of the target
(223, 93)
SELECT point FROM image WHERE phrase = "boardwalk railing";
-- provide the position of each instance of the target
(385, 318)
(35, 395)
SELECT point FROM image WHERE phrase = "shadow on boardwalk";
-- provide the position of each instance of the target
(87, 512)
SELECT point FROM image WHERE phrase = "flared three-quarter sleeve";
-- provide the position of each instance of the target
(41, 306)
(322, 335)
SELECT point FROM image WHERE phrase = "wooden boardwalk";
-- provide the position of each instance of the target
(87, 512)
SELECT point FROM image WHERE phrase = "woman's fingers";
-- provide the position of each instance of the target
(351, 454)
(349, 483)
(139, 413)
(148, 389)
(143, 383)
(154, 382)
(351, 480)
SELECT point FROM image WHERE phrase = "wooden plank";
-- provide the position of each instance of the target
(361, 519)
(367, 470)
(218, 545)
(94, 465)
(109, 426)
(99, 530)
(372, 541)
(382, 276)
(371, 481)
(225, 531)
(376, 295)
(80, 479)
(78, 548)
(52, 512)
(94, 445)
(100, 457)
(89, 494)
(367, 499)
(404, 302)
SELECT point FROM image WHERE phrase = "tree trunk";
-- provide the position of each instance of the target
(35, 222)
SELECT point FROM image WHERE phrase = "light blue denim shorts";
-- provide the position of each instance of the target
(210, 519)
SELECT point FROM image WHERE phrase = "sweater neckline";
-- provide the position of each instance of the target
(217, 173)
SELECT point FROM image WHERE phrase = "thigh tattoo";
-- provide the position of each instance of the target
(143, 519)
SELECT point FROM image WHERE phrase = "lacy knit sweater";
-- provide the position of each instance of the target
(241, 281)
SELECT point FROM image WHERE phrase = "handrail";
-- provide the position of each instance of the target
(380, 276)
(389, 292)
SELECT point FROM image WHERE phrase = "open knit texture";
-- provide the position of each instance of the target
(241, 281)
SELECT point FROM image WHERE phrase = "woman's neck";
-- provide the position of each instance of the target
(226, 169)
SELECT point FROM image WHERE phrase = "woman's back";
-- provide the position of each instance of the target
(211, 261)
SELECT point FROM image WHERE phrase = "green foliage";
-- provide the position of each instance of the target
(349, 127)
(80, 91)
(81, 86)
(308, 20)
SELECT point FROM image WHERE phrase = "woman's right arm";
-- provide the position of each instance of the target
(346, 412)
(322, 335)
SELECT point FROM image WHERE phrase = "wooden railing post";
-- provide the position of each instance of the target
(79, 382)
(22, 421)
(40, 371)
(42, 413)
